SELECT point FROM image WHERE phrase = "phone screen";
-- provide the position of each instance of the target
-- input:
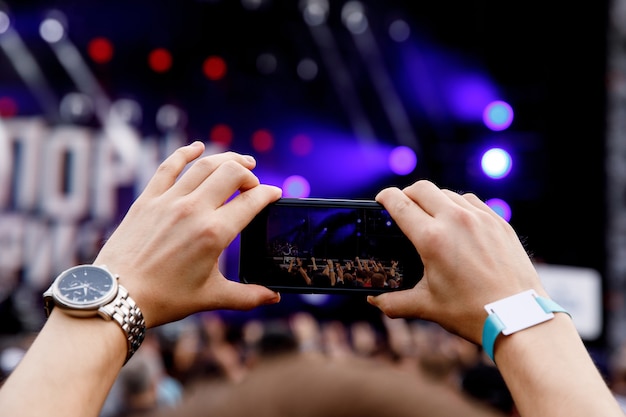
(327, 246)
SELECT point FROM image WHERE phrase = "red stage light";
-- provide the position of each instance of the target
(160, 60)
(8, 107)
(214, 68)
(221, 134)
(262, 140)
(100, 50)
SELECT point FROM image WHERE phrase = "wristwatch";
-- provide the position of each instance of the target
(91, 291)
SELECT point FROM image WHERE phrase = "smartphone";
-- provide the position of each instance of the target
(309, 245)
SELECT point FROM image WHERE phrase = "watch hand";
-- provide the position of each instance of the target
(97, 290)
(73, 287)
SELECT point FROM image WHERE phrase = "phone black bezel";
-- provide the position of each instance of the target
(254, 252)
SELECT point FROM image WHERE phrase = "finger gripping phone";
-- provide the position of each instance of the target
(308, 245)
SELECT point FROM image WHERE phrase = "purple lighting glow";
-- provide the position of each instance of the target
(402, 160)
(301, 145)
(296, 186)
(468, 94)
(501, 207)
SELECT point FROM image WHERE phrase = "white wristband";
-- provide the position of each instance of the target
(515, 313)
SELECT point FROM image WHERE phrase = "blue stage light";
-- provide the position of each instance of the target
(498, 115)
(501, 207)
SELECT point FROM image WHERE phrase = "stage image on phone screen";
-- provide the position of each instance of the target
(327, 246)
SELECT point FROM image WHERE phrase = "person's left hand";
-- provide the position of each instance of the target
(167, 247)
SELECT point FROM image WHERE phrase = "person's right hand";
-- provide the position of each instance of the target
(471, 257)
(167, 247)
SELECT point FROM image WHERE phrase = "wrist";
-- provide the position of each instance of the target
(92, 291)
(101, 338)
(514, 314)
(537, 337)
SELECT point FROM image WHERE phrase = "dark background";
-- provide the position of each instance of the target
(548, 60)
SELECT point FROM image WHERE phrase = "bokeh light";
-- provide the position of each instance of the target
(126, 110)
(221, 134)
(214, 68)
(402, 160)
(262, 140)
(52, 29)
(498, 115)
(160, 60)
(307, 69)
(76, 107)
(353, 17)
(501, 207)
(8, 107)
(5, 22)
(170, 117)
(496, 163)
(100, 50)
(315, 12)
(296, 186)
(399, 30)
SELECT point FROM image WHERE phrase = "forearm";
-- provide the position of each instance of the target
(305, 276)
(166, 253)
(549, 372)
(68, 371)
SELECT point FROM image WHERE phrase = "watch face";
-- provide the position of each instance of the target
(86, 286)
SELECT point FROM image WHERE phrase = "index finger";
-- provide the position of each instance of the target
(171, 167)
(238, 212)
(429, 197)
(406, 212)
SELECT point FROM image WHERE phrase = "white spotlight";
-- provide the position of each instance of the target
(353, 17)
(52, 29)
(307, 69)
(5, 22)
(127, 111)
(170, 117)
(76, 107)
(315, 12)
(399, 30)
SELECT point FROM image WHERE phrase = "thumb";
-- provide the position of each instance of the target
(406, 303)
(238, 296)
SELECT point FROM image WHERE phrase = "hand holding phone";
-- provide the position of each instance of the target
(327, 246)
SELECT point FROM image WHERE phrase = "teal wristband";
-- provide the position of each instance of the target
(515, 313)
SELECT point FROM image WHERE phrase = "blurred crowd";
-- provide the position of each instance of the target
(303, 362)
(178, 358)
